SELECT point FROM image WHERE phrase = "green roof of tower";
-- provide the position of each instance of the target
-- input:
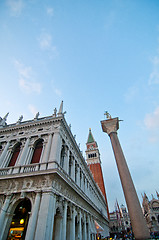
(90, 137)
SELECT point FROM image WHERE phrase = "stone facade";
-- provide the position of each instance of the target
(120, 224)
(43, 170)
(151, 212)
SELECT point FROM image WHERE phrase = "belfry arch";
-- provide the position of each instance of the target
(19, 222)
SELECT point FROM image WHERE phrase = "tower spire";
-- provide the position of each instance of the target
(61, 108)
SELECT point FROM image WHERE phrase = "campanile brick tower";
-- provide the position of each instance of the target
(94, 164)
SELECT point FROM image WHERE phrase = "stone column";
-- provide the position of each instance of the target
(88, 233)
(29, 155)
(3, 215)
(78, 175)
(3, 154)
(55, 148)
(47, 149)
(7, 158)
(73, 169)
(72, 236)
(58, 230)
(79, 227)
(45, 222)
(64, 224)
(33, 218)
(45, 157)
(138, 222)
(67, 160)
(24, 153)
(84, 230)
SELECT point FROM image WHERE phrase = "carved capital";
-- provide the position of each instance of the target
(110, 125)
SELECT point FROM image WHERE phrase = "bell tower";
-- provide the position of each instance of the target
(94, 164)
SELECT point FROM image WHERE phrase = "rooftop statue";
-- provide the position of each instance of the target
(20, 119)
(3, 121)
(108, 116)
(37, 115)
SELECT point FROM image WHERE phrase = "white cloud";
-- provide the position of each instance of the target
(32, 109)
(29, 87)
(15, 6)
(50, 11)
(152, 120)
(45, 42)
(154, 76)
(26, 79)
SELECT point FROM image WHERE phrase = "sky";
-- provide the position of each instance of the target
(96, 56)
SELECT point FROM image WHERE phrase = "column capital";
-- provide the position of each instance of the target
(110, 125)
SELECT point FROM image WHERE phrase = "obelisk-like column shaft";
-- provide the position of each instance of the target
(138, 222)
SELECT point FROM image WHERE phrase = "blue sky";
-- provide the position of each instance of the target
(96, 56)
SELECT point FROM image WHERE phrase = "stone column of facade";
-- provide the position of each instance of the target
(58, 227)
(83, 182)
(73, 224)
(67, 159)
(88, 233)
(29, 156)
(33, 218)
(78, 175)
(24, 153)
(7, 158)
(64, 224)
(46, 154)
(55, 148)
(79, 227)
(4, 153)
(20, 154)
(45, 222)
(3, 216)
(73, 168)
(138, 222)
(87, 187)
(84, 230)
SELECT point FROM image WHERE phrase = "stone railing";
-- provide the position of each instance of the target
(28, 168)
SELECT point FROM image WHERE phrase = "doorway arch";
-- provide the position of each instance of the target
(20, 220)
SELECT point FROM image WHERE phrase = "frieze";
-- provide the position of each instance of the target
(26, 184)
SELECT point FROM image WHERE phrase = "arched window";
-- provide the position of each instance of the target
(70, 164)
(37, 152)
(15, 154)
(20, 219)
(62, 157)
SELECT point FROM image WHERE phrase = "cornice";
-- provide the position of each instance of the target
(30, 124)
